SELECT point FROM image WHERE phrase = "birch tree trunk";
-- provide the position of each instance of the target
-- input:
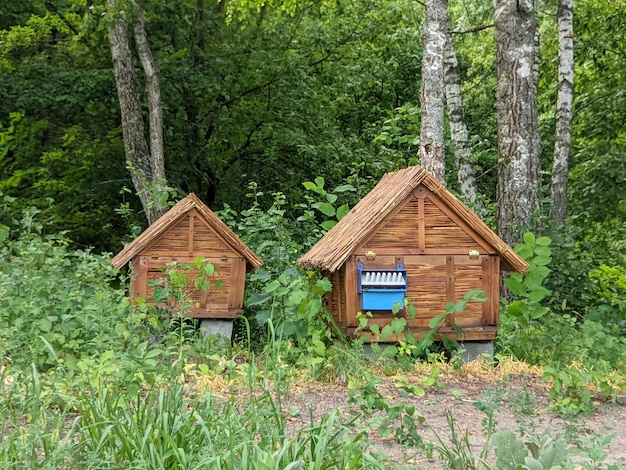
(565, 98)
(466, 175)
(146, 164)
(431, 150)
(519, 145)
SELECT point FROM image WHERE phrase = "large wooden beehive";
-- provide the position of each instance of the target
(411, 226)
(187, 231)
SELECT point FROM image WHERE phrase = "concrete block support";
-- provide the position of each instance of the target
(476, 350)
(210, 327)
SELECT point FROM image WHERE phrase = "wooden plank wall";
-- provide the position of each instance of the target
(192, 237)
(434, 245)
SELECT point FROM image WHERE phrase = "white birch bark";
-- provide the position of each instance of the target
(431, 149)
(466, 175)
(565, 99)
(519, 145)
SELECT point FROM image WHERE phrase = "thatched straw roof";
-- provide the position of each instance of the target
(180, 209)
(334, 248)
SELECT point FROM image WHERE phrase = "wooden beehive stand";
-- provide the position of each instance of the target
(187, 231)
(410, 219)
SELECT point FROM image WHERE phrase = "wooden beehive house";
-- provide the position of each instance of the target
(187, 231)
(410, 237)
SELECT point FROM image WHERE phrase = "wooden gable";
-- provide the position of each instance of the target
(408, 210)
(189, 228)
(187, 231)
(423, 224)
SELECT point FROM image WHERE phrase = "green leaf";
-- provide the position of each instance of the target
(4, 233)
(510, 451)
(326, 208)
(457, 307)
(524, 251)
(532, 464)
(342, 211)
(386, 333)
(153, 353)
(554, 454)
(258, 298)
(515, 287)
(410, 338)
(537, 294)
(540, 261)
(390, 352)
(543, 241)
(538, 312)
(328, 224)
(320, 182)
(436, 321)
(44, 325)
(272, 286)
(106, 355)
(324, 284)
(529, 238)
(343, 188)
(477, 295)
(398, 325)
(543, 251)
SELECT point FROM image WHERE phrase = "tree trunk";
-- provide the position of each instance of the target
(458, 130)
(431, 150)
(146, 165)
(565, 98)
(519, 145)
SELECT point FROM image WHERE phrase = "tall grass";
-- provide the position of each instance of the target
(170, 428)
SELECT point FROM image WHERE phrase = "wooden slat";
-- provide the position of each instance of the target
(491, 286)
(450, 287)
(421, 224)
(222, 313)
(190, 236)
(470, 334)
(238, 280)
(139, 277)
(352, 296)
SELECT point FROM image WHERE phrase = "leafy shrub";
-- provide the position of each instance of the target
(51, 295)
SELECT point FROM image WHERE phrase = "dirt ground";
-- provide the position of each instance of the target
(519, 397)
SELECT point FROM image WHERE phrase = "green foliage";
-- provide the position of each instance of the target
(513, 454)
(408, 346)
(56, 299)
(397, 420)
(529, 286)
(522, 324)
(327, 206)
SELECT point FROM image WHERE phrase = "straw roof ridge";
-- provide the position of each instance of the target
(334, 248)
(166, 221)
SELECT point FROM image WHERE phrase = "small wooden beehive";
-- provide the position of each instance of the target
(187, 231)
(410, 237)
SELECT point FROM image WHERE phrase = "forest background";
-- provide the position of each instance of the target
(281, 116)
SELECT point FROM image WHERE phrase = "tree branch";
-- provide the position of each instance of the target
(51, 7)
(474, 30)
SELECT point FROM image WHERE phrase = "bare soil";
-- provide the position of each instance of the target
(520, 399)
